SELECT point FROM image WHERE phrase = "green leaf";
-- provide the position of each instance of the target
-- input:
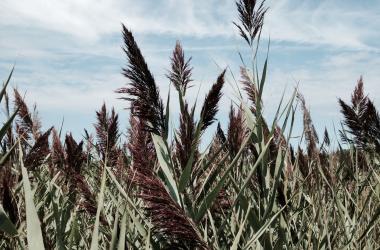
(95, 233)
(6, 156)
(6, 224)
(165, 164)
(252, 170)
(3, 90)
(263, 77)
(235, 244)
(115, 228)
(33, 227)
(263, 229)
(6, 126)
(186, 174)
(371, 224)
(123, 231)
(209, 200)
(136, 221)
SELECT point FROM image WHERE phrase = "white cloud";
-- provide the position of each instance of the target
(336, 23)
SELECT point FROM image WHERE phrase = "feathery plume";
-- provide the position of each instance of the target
(169, 220)
(220, 134)
(249, 86)
(39, 151)
(236, 130)
(141, 147)
(251, 19)
(24, 124)
(74, 155)
(57, 152)
(180, 74)
(326, 138)
(302, 163)
(311, 136)
(107, 133)
(185, 139)
(361, 119)
(210, 105)
(143, 93)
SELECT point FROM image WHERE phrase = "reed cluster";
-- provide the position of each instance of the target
(249, 189)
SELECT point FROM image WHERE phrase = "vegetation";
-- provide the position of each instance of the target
(248, 190)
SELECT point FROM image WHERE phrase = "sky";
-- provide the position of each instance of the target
(68, 57)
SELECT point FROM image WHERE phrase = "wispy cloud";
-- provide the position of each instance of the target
(337, 23)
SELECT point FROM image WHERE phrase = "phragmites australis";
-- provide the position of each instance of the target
(169, 220)
(78, 186)
(185, 138)
(362, 120)
(24, 123)
(249, 87)
(180, 73)
(57, 152)
(39, 151)
(141, 147)
(221, 137)
(251, 19)
(142, 91)
(236, 130)
(74, 156)
(107, 133)
(311, 136)
(210, 105)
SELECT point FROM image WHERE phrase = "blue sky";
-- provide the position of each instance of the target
(68, 52)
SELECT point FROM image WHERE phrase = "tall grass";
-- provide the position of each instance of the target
(250, 189)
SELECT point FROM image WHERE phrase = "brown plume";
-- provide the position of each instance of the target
(236, 130)
(210, 105)
(142, 91)
(362, 120)
(57, 152)
(311, 136)
(180, 74)
(251, 17)
(249, 87)
(141, 147)
(169, 220)
(39, 151)
(185, 138)
(24, 124)
(107, 133)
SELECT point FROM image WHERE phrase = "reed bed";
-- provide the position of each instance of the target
(249, 189)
